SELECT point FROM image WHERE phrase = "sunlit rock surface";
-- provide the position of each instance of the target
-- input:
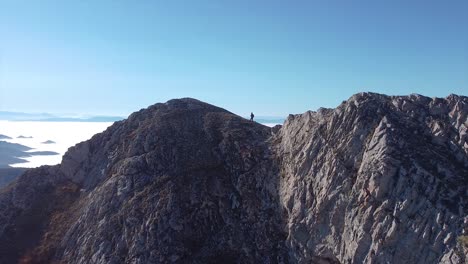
(379, 179)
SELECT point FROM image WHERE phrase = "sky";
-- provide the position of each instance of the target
(270, 57)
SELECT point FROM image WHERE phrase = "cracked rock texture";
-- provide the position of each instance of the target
(379, 179)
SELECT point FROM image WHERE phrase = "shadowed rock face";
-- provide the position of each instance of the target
(7, 175)
(177, 182)
(378, 179)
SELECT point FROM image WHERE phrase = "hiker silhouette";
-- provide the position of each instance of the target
(251, 116)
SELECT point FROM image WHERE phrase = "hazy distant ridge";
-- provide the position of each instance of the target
(18, 116)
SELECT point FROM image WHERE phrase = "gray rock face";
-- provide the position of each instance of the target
(377, 180)
(177, 182)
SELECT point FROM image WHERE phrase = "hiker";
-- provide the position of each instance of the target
(251, 116)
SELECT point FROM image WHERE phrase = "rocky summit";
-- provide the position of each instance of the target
(379, 179)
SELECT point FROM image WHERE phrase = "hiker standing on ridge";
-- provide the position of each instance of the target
(251, 116)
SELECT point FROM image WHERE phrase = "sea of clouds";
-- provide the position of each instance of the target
(64, 134)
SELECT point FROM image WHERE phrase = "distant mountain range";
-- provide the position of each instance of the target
(4, 137)
(11, 153)
(269, 119)
(19, 116)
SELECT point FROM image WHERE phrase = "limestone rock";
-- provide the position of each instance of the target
(379, 179)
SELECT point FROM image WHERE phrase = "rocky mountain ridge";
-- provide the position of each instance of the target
(379, 179)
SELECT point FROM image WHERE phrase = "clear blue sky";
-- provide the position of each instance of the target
(268, 56)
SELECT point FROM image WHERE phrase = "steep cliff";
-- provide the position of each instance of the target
(379, 179)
